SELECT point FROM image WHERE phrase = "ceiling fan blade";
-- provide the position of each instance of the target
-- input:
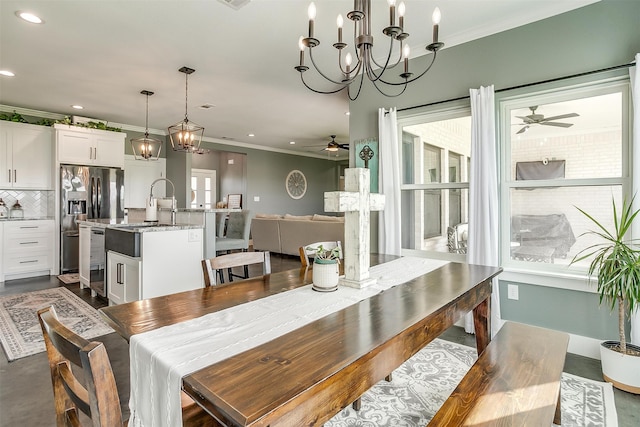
(523, 130)
(343, 146)
(557, 124)
(562, 116)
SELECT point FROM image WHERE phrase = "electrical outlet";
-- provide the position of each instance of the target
(256, 198)
(194, 236)
(512, 292)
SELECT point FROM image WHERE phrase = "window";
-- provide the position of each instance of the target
(435, 181)
(563, 150)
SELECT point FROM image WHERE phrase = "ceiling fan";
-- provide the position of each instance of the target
(333, 145)
(540, 119)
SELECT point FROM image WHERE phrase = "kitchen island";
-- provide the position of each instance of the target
(143, 260)
(209, 219)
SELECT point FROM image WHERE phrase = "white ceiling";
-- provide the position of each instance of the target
(102, 53)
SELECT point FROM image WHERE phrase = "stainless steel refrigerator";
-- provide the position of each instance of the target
(87, 192)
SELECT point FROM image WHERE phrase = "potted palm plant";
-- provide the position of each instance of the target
(325, 271)
(615, 263)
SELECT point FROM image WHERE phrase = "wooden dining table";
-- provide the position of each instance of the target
(308, 375)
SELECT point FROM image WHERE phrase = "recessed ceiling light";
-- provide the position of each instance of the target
(292, 142)
(6, 73)
(206, 106)
(77, 107)
(251, 134)
(29, 17)
(348, 113)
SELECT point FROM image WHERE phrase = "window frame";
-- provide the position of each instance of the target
(428, 115)
(507, 182)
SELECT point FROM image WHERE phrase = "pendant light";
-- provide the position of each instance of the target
(187, 136)
(146, 148)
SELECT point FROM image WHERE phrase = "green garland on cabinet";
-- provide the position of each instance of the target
(15, 117)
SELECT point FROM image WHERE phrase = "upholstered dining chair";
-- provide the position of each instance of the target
(96, 396)
(236, 237)
(211, 267)
(309, 250)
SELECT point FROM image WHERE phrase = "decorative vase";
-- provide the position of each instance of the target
(622, 370)
(325, 275)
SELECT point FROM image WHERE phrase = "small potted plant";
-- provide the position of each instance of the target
(325, 270)
(616, 265)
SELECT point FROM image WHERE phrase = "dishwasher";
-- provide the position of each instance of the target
(97, 262)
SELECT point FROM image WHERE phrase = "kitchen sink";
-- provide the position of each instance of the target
(123, 240)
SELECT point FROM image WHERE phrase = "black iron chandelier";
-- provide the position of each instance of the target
(146, 148)
(366, 65)
(187, 136)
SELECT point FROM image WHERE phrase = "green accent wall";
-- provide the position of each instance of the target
(570, 311)
(266, 172)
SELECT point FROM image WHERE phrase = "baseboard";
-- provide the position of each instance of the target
(584, 346)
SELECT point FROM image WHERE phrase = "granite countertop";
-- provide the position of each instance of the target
(27, 218)
(137, 227)
(190, 210)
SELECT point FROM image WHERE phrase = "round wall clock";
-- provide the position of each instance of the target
(296, 184)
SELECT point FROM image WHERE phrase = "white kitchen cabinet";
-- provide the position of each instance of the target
(82, 146)
(123, 273)
(28, 248)
(26, 156)
(138, 176)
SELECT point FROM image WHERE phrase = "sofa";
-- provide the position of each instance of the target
(285, 234)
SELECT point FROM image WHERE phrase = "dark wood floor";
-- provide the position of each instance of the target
(26, 398)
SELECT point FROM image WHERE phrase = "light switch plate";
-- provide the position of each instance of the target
(256, 198)
(512, 292)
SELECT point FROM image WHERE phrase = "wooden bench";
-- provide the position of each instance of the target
(514, 382)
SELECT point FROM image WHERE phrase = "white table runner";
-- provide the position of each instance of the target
(160, 358)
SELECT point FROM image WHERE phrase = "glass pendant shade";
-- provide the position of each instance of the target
(146, 148)
(187, 136)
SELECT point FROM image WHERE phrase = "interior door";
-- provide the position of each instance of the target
(203, 189)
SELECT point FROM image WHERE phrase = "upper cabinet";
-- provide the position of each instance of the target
(82, 146)
(26, 156)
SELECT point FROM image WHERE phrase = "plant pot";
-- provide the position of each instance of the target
(621, 370)
(325, 275)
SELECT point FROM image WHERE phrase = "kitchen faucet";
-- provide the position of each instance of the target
(174, 210)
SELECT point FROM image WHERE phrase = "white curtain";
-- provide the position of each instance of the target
(483, 194)
(634, 73)
(389, 183)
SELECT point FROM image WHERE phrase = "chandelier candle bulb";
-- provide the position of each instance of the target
(401, 10)
(436, 21)
(406, 51)
(301, 46)
(348, 60)
(312, 16)
(392, 12)
(340, 23)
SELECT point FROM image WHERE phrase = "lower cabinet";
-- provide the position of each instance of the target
(123, 278)
(27, 249)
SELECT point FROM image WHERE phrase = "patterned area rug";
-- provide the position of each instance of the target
(424, 382)
(69, 278)
(20, 332)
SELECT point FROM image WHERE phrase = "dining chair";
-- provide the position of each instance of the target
(96, 396)
(309, 250)
(238, 232)
(212, 266)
